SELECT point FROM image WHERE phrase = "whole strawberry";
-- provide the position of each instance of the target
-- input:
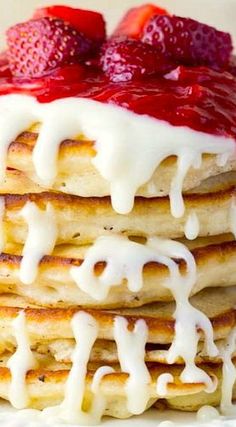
(188, 41)
(38, 46)
(127, 59)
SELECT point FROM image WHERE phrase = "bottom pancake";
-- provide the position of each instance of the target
(46, 388)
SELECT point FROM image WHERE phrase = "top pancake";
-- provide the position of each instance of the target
(77, 175)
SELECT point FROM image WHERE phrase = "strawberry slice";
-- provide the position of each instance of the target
(133, 22)
(90, 23)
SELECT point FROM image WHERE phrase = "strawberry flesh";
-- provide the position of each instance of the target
(37, 47)
(127, 59)
(133, 22)
(88, 22)
(187, 41)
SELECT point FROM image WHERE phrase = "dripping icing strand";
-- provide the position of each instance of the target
(85, 331)
(40, 241)
(162, 384)
(121, 139)
(192, 226)
(124, 259)
(20, 363)
(131, 354)
(187, 318)
(228, 374)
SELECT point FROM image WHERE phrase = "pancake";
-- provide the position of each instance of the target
(77, 175)
(46, 388)
(54, 285)
(16, 182)
(81, 220)
(54, 323)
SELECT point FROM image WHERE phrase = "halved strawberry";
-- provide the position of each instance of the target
(38, 46)
(134, 20)
(88, 22)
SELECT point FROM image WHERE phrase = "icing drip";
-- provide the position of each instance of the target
(2, 211)
(228, 375)
(121, 139)
(99, 374)
(131, 354)
(232, 217)
(124, 259)
(187, 319)
(20, 363)
(192, 227)
(40, 241)
(85, 331)
(162, 383)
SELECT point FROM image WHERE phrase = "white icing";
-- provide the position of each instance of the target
(129, 146)
(124, 259)
(162, 383)
(192, 226)
(85, 331)
(228, 374)
(20, 363)
(232, 217)
(40, 241)
(2, 211)
(187, 319)
(131, 353)
(99, 374)
(207, 413)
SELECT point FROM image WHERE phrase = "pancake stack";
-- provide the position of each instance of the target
(88, 317)
(118, 252)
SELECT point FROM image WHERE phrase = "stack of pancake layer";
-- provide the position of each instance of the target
(112, 305)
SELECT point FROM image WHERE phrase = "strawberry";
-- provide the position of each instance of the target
(90, 23)
(133, 22)
(37, 47)
(187, 41)
(4, 65)
(127, 59)
(232, 65)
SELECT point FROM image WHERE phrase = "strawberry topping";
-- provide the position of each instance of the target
(127, 59)
(187, 41)
(88, 22)
(133, 22)
(37, 47)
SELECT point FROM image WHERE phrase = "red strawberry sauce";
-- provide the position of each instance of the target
(200, 98)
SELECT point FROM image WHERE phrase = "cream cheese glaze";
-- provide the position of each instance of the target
(85, 330)
(40, 241)
(122, 137)
(20, 363)
(124, 259)
(229, 375)
(192, 226)
(131, 354)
